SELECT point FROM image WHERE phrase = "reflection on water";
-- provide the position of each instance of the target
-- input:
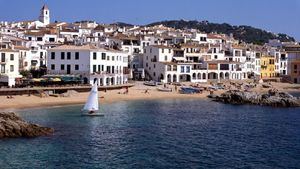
(160, 134)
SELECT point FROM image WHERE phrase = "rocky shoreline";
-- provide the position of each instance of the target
(13, 126)
(273, 98)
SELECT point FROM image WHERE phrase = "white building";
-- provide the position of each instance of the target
(167, 64)
(106, 66)
(9, 67)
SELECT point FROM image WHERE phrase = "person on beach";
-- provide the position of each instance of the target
(147, 91)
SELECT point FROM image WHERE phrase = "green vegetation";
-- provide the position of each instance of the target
(244, 33)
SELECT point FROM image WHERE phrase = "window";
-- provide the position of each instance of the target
(216, 56)
(52, 55)
(51, 39)
(62, 55)
(76, 67)
(112, 58)
(108, 69)
(62, 67)
(39, 39)
(76, 55)
(295, 68)
(99, 68)
(166, 58)
(94, 68)
(12, 57)
(153, 65)
(95, 56)
(52, 67)
(11, 68)
(103, 56)
(169, 50)
(2, 57)
(154, 74)
(102, 67)
(2, 68)
(150, 50)
(68, 55)
(188, 69)
(107, 57)
(162, 50)
(182, 69)
(41, 55)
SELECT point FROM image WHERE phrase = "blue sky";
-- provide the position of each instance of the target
(272, 15)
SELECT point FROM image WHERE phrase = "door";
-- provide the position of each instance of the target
(68, 69)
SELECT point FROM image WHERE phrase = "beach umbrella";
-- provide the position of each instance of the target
(43, 80)
(36, 80)
(56, 79)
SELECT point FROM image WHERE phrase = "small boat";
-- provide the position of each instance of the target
(266, 86)
(91, 107)
(164, 89)
(189, 90)
(150, 83)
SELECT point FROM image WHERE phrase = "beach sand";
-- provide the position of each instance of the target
(135, 93)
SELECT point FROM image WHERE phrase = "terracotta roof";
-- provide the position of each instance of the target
(82, 47)
(162, 46)
(238, 47)
(21, 48)
(8, 50)
(69, 30)
(213, 36)
(194, 45)
(223, 62)
(40, 33)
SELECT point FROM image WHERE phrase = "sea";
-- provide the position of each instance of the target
(172, 133)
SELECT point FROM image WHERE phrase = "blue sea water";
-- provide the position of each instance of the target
(160, 134)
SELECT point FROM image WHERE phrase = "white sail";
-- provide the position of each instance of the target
(92, 102)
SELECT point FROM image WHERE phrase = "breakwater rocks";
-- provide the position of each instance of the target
(272, 98)
(12, 126)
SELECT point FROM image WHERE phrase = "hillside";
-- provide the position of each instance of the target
(245, 33)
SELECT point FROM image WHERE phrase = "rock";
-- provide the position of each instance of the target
(11, 125)
(272, 98)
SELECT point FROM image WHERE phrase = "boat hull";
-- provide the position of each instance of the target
(94, 114)
(164, 89)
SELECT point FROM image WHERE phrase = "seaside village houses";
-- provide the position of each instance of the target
(111, 54)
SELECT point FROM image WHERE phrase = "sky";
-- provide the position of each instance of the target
(278, 16)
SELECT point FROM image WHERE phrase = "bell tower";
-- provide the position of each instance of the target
(45, 15)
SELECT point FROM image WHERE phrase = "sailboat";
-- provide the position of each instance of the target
(91, 107)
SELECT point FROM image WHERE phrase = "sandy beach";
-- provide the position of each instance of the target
(135, 93)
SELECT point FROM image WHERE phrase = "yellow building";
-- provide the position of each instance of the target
(267, 67)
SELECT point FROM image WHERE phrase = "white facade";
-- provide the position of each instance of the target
(160, 66)
(91, 63)
(9, 66)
